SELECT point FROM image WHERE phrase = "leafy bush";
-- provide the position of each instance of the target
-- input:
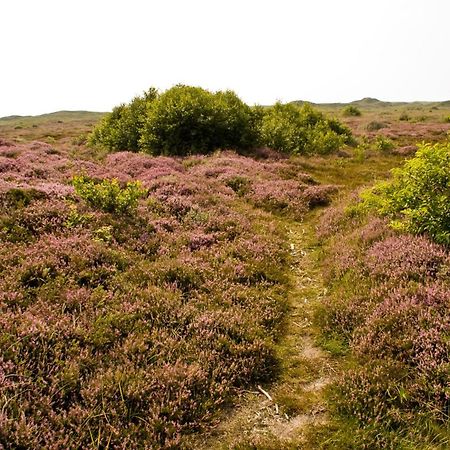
(417, 199)
(108, 195)
(121, 129)
(383, 144)
(351, 111)
(301, 130)
(186, 120)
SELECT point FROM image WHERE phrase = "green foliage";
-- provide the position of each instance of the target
(383, 144)
(121, 129)
(75, 218)
(186, 120)
(351, 111)
(239, 184)
(447, 119)
(301, 130)
(109, 195)
(417, 199)
(19, 198)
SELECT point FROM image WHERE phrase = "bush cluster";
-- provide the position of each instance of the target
(417, 198)
(301, 130)
(186, 120)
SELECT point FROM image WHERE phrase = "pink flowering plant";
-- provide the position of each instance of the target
(139, 297)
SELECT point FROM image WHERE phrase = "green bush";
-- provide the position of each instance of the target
(109, 195)
(301, 130)
(417, 199)
(186, 120)
(351, 111)
(383, 144)
(121, 129)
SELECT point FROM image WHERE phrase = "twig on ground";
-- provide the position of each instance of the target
(265, 393)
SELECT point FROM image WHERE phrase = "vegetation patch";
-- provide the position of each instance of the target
(388, 306)
(185, 120)
(137, 298)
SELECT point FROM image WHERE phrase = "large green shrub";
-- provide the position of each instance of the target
(301, 130)
(121, 129)
(186, 120)
(417, 199)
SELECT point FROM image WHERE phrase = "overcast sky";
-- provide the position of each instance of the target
(94, 54)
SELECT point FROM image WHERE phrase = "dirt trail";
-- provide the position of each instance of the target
(278, 415)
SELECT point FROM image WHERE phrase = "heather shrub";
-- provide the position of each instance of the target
(404, 117)
(239, 184)
(128, 323)
(406, 257)
(18, 197)
(412, 328)
(375, 125)
(108, 195)
(417, 199)
(388, 310)
(301, 130)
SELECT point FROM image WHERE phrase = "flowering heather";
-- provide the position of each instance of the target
(389, 302)
(130, 330)
(412, 329)
(406, 257)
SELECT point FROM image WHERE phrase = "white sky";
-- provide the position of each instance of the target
(94, 54)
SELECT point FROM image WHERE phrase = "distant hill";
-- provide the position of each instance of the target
(374, 103)
(58, 115)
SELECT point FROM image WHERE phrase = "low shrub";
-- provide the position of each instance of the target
(383, 144)
(417, 198)
(387, 309)
(376, 125)
(301, 130)
(404, 117)
(130, 330)
(351, 111)
(109, 195)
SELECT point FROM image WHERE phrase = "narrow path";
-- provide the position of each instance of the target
(276, 416)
